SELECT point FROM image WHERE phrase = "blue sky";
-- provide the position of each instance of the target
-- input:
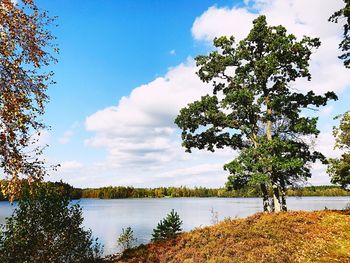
(126, 68)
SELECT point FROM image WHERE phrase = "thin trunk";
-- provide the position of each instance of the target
(266, 203)
(272, 205)
(276, 197)
(283, 194)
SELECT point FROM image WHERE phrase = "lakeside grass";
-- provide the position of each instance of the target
(322, 236)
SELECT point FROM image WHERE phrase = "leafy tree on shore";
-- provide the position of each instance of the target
(339, 168)
(343, 15)
(256, 111)
(43, 228)
(25, 44)
(167, 228)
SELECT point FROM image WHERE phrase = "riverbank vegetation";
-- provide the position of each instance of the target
(45, 227)
(117, 192)
(131, 192)
(322, 236)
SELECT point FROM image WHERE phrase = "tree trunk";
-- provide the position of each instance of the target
(276, 205)
(283, 194)
(276, 197)
(266, 202)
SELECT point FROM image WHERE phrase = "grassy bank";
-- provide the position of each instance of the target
(322, 236)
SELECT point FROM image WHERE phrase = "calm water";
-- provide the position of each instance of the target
(106, 218)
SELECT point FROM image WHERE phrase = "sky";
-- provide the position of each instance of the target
(126, 68)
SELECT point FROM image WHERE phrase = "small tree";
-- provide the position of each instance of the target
(45, 228)
(343, 15)
(167, 228)
(254, 110)
(339, 168)
(126, 240)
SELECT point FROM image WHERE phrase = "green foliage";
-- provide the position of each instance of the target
(45, 228)
(126, 240)
(167, 228)
(159, 192)
(344, 15)
(63, 188)
(328, 190)
(254, 110)
(175, 192)
(339, 168)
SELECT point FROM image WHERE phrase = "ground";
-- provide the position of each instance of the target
(322, 236)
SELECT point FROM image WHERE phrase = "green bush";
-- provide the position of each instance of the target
(44, 227)
(168, 227)
(126, 239)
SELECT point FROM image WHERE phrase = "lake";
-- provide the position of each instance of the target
(106, 218)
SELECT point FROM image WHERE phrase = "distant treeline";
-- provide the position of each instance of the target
(64, 188)
(112, 192)
(131, 192)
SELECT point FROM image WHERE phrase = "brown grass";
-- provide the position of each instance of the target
(322, 236)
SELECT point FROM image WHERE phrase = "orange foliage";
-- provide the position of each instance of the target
(322, 236)
(25, 46)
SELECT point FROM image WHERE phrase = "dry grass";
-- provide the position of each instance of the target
(322, 236)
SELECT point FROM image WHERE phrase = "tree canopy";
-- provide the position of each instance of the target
(339, 168)
(25, 47)
(343, 15)
(255, 110)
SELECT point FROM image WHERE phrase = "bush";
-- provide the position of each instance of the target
(45, 228)
(126, 239)
(167, 228)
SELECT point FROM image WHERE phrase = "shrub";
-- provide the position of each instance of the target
(45, 228)
(126, 239)
(168, 227)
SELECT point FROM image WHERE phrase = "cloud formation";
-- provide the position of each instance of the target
(67, 135)
(140, 129)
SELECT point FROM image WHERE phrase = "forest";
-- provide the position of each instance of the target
(116, 192)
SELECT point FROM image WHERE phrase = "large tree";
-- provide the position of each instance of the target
(339, 168)
(343, 16)
(254, 109)
(25, 47)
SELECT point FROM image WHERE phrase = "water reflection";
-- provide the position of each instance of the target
(106, 218)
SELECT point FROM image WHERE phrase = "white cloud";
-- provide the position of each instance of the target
(172, 52)
(324, 144)
(326, 111)
(67, 135)
(225, 21)
(70, 165)
(140, 130)
(194, 170)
